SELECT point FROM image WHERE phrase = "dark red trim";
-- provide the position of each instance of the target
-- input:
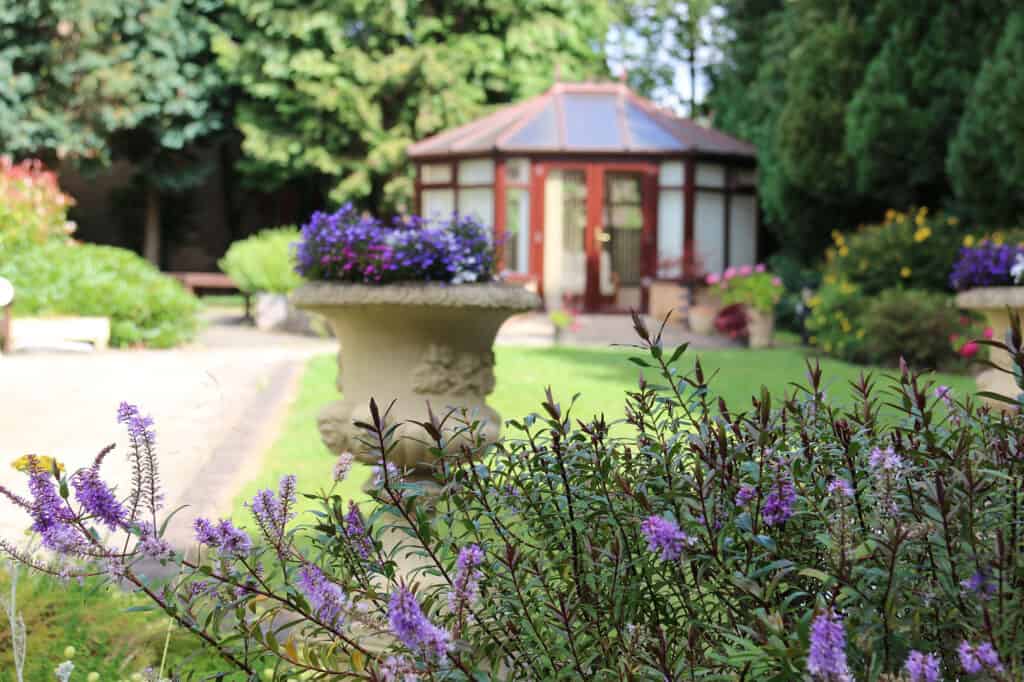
(500, 213)
(689, 253)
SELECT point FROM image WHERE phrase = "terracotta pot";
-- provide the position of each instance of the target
(760, 328)
(992, 303)
(414, 344)
(702, 319)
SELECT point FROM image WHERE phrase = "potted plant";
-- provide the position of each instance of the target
(415, 307)
(757, 290)
(987, 278)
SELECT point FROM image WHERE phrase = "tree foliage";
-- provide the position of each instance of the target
(334, 90)
(854, 107)
(986, 157)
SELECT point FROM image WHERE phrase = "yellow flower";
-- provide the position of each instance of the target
(997, 238)
(905, 272)
(830, 279)
(847, 288)
(844, 250)
(814, 301)
(43, 463)
(969, 240)
(890, 215)
(860, 333)
(845, 324)
(953, 220)
(922, 234)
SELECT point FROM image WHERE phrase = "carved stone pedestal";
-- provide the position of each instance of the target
(412, 343)
(994, 303)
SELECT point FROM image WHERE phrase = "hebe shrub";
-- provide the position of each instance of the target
(785, 539)
(264, 262)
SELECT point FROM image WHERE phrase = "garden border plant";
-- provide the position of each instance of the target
(710, 541)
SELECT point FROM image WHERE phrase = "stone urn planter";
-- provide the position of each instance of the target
(760, 328)
(414, 343)
(992, 303)
(701, 318)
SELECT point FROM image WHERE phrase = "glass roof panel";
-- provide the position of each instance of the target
(591, 120)
(646, 132)
(542, 131)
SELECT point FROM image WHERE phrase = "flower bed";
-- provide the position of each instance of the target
(796, 540)
(346, 247)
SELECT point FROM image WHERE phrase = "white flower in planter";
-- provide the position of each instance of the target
(1017, 269)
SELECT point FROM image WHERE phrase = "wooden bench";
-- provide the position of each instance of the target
(215, 281)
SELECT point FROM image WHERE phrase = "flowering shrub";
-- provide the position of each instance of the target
(32, 207)
(986, 265)
(750, 285)
(913, 250)
(788, 541)
(346, 247)
(835, 322)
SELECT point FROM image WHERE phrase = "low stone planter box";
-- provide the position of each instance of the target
(59, 333)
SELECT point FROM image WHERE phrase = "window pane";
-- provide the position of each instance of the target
(438, 203)
(591, 121)
(670, 233)
(710, 175)
(708, 232)
(646, 132)
(478, 203)
(671, 174)
(476, 172)
(517, 230)
(517, 171)
(435, 173)
(742, 230)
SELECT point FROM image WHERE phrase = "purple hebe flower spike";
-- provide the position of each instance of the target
(327, 599)
(466, 585)
(922, 668)
(664, 537)
(97, 499)
(826, 660)
(413, 628)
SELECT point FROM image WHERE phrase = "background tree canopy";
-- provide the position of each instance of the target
(855, 106)
(334, 90)
(858, 106)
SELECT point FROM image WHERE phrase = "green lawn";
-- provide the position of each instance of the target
(94, 619)
(601, 376)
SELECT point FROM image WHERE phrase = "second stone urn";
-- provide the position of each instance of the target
(414, 344)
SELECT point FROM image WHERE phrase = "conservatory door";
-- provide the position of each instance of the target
(598, 236)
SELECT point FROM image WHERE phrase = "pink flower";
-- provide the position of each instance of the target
(729, 273)
(713, 278)
(969, 349)
(745, 270)
(989, 332)
(776, 281)
(760, 267)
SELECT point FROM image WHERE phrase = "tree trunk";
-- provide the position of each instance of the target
(693, 81)
(151, 233)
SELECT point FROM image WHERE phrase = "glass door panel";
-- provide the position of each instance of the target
(621, 238)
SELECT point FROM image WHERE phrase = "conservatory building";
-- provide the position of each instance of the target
(596, 193)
